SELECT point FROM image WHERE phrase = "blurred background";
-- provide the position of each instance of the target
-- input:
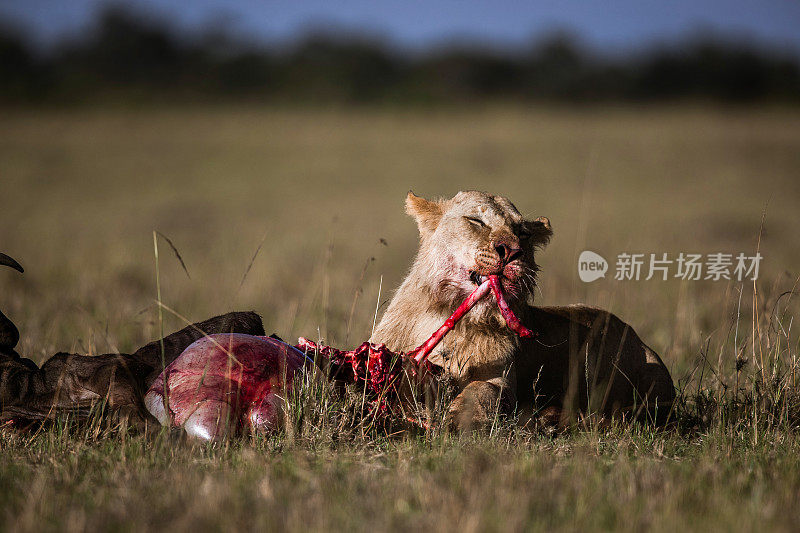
(362, 51)
(273, 143)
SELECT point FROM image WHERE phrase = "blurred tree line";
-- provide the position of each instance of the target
(128, 56)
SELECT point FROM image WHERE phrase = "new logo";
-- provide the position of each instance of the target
(591, 266)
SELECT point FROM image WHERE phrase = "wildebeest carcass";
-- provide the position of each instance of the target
(74, 383)
(215, 378)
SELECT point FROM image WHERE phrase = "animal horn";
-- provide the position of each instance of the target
(9, 261)
(9, 334)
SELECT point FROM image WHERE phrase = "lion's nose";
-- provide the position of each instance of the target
(506, 252)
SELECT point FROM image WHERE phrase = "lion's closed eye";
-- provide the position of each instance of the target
(476, 221)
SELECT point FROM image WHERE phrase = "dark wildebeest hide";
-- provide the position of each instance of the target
(74, 383)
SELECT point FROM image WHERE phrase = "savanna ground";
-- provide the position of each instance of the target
(81, 192)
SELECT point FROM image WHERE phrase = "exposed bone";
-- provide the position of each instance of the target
(511, 319)
(421, 354)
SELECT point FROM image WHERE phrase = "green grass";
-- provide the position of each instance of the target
(622, 479)
(82, 191)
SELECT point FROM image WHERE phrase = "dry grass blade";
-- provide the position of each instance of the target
(176, 252)
(252, 260)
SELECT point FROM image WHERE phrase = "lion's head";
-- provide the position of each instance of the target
(470, 236)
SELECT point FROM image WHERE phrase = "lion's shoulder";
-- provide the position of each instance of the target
(583, 314)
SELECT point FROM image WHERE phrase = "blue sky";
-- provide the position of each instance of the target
(607, 24)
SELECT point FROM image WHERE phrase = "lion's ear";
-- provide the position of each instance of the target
(426, 212)
(541, 231)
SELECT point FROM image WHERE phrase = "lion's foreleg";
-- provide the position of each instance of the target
(480, 404)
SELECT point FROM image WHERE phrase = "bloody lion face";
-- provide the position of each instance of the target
(475, 235)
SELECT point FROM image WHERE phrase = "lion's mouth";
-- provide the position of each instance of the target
(496, 283)
(510, 287)
(476, 278)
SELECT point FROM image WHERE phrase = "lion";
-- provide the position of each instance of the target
(582, 360)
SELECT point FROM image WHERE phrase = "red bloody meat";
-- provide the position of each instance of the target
(228, 383)
(224, 383)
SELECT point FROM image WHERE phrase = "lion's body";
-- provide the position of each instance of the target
(581, 360)
(586, 359)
